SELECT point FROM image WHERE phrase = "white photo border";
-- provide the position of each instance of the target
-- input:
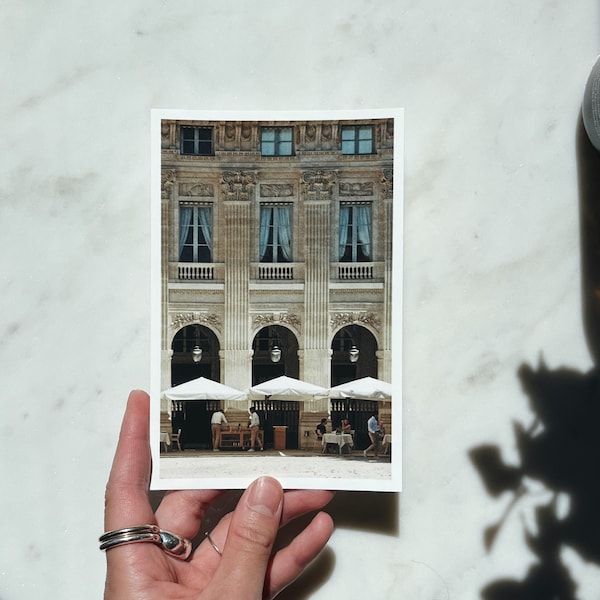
(394, 483)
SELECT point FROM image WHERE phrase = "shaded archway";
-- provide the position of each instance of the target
(267, 362)
(346, 364)
(193, 417)
(183, 366)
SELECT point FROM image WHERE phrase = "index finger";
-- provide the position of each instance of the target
(126, 499)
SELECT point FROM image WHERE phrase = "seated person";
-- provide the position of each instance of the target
(321, 429)
(346, 426)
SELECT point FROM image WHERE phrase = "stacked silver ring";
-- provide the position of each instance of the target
(172, 544)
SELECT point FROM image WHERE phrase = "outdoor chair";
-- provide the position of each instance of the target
(175, 439)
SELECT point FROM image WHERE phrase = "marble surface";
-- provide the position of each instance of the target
(498, 273)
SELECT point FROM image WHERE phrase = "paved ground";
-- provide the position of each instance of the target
(289, 463)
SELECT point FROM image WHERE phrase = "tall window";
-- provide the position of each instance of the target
(276, 141)
(195, 234)
(355, 233)
(275, 235)
(197, 141)
(357, 139)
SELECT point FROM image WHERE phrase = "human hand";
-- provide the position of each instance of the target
(247, 568)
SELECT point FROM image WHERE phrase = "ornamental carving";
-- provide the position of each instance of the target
(167, 179)
(351, 318)
(356, 189)
(318, 181)
(238, 185)
(277, 318)
(276, 190)
(195, 318)
(387, 183)
(197, 189)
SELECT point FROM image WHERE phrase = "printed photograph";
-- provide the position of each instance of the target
(277, 299)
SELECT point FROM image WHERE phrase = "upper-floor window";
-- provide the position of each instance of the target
(276, 141)
(275, 233)
(357, 139)
(195, 234)
(355, 244)
(197, 141)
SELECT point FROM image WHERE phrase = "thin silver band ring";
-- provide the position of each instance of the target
(172, 544)
(217, 549)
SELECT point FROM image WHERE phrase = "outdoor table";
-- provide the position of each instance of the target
(165, 439)
(238, 438)
(341, 439)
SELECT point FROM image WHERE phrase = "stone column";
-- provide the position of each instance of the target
(318, 189)
(237, 192)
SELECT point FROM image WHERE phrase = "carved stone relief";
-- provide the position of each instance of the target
(238, 185)
(182, 319)
(364, 188)
(276, 190)
(197, 189)
(167, 179)
(350, 318)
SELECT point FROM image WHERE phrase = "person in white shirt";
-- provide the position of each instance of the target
(216, 421)
(374, 431)
(254, 426)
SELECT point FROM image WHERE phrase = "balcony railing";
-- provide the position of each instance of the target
(276, 272)
(195, 272)
(355, 271)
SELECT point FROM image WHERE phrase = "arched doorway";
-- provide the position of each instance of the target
(275, 353)
(193, 417)
(184, 365)
(354, 356)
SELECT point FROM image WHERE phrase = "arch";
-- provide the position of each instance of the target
(263, 367)
(183, 366)
(344, 369)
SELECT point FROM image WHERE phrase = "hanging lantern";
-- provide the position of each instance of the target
(275, 354)
(197, 354)
(354, 354)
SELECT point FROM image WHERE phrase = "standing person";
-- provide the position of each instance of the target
(216, 422)
(374, 435)
(254, 426)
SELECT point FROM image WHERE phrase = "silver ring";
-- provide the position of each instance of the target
(171, 543)
(217, 549)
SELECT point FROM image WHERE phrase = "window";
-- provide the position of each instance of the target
(276, 141)
(357, 139)
(275, 235)
(197, 141)
(355, 233)
(195, 234)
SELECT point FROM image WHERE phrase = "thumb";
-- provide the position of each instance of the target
(250, 538)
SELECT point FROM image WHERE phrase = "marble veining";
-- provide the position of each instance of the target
(493, 257)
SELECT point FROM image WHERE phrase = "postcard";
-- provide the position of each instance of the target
(277, 298)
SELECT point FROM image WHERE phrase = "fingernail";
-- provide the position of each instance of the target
(265, 496)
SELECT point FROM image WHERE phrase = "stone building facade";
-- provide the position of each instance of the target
(276, 253)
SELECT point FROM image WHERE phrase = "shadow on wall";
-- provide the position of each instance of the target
(560, 448)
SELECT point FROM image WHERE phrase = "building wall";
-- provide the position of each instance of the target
(314, 296)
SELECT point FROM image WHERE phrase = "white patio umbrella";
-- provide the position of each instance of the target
(288, 388)
(204, 389)
(367, 388)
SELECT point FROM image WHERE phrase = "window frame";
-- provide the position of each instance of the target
(352, 238)
(275, 245)
(277, 142)
(197, 141)
(197, 228)
(356, 140)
